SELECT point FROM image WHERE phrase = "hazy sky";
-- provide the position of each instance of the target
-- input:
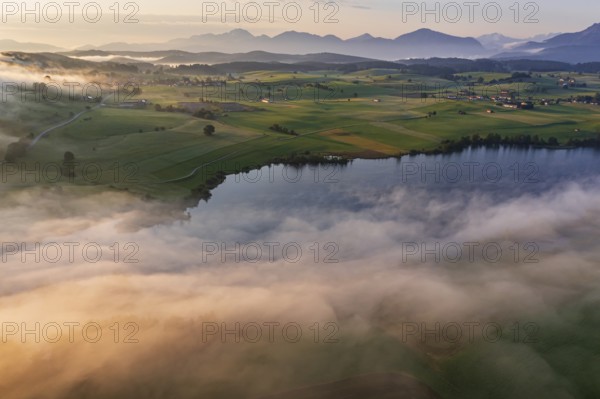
(159, 20)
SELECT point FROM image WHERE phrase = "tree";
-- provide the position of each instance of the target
(68, 165)
(14, 151)
(209, 130)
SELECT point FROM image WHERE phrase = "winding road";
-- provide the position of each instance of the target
(63, 124)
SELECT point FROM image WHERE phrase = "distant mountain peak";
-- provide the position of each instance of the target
(582, 46)
(294, 33)
(240, 32)
(290, 33)
(428, 37)
(589, 36)
(364, 36)
(594, 29)
(425, 33)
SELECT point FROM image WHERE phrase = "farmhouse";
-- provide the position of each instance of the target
(526, 105)
(518, 105)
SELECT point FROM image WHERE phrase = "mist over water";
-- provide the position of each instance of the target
(357, 268)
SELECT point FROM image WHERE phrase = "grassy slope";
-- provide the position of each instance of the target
(152, 159)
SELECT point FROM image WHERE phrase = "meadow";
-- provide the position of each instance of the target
(368, 114)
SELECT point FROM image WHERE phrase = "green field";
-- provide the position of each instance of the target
(366, 114)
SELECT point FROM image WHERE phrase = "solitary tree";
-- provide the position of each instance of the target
(209, 130)
(68, 165)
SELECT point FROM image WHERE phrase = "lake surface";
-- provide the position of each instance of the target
(314, 193)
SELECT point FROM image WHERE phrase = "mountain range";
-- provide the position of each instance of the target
(421, 43)
(575, 47)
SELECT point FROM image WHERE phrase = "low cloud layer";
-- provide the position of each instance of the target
(369, 294)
